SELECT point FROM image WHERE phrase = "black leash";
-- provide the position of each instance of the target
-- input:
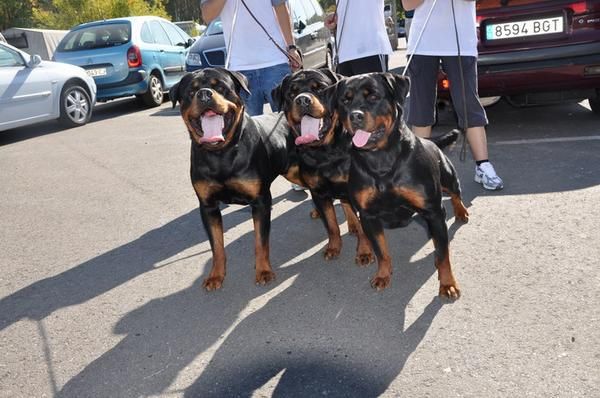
(283, 51)
(463, 148)
(336, 59)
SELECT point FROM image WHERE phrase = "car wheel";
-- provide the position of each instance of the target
(328, 59)
(155, 94)
(595, 105)
(75, 106)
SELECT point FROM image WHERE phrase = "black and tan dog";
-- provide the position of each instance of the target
(323, 152)
(393, 173)
(234, 159)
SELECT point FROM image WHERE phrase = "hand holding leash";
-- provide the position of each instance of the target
(295, 57)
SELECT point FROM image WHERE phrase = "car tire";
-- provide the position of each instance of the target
(75, 106)
(595, 104)
(155, 95)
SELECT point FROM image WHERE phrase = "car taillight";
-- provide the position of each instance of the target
(579, 7)
(134, 57)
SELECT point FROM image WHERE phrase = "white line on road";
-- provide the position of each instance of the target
(548, 140)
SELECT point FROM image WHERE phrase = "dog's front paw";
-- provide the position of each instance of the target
(264, 277)
(363, 259)
(380, 282)
(450, 291)
(331, 252)
(213, 283)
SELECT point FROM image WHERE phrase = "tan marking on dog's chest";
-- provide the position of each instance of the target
(251, 188)
(415, 198)
(365, 196)
(205, 189)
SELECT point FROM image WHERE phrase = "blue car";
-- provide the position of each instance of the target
(141, 56)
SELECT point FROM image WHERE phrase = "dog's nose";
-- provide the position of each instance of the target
(303, 100)
(204, 95)
(357, 117)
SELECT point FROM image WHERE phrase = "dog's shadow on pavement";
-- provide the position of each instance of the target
(319, 329)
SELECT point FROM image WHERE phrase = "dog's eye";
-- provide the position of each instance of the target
(373, 97)
(345, 101)
(192, 93)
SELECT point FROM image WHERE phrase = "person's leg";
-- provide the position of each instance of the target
(423, 72)
(475, 119)
(254, 101)
(271, 77)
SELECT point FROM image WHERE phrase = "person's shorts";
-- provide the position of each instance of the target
(423, 72)
(373, 63)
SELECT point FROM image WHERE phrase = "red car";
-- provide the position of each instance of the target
(539, 51)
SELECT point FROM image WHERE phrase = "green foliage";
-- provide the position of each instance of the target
(15, 13)
(64, 14)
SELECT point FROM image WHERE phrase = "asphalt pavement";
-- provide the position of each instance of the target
(102, 256)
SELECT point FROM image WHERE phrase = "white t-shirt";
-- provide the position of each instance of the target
(361, 29)
(250, 47)
(439, 37)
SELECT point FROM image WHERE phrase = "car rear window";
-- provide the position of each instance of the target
(97, 36)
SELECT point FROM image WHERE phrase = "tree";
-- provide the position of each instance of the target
(15, 13)
(64, 14)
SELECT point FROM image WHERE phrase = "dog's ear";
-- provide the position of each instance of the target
(278, 92)
(240, 81)
(176, 92)
(334, 77)
(397, 84)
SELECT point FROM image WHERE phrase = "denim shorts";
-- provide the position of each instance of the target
(423, 73)
(261, 82)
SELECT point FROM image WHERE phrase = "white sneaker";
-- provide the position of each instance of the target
(297, 187)
(486, 175)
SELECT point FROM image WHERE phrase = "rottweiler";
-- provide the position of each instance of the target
(323, 152)
(234, 159)
(395, 174)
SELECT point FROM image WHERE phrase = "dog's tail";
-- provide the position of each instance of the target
(444, 140)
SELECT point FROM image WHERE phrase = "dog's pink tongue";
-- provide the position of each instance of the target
(212, 126)
(309, 130)
(360, 138)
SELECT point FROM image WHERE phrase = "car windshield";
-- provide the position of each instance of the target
(214, 28)
(98, 36)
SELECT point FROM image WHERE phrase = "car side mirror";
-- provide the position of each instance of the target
(190, 42)
(299, 26)
(34, 61)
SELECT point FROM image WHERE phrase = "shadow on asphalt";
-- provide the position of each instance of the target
(331, 303)
(250, 334)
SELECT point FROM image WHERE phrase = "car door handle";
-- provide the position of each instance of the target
(314, 35)
(161, 50)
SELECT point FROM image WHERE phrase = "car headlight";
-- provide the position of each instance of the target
(194, 59)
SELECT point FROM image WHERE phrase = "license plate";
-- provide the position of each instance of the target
(531, 27)
(96, 72)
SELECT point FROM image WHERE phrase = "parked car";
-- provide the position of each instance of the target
(141, 56)
(311, 36)
(42, 42)
(194, 29)
(32, 90)
(539, 51)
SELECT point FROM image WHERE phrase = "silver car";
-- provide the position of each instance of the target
(32, 91)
